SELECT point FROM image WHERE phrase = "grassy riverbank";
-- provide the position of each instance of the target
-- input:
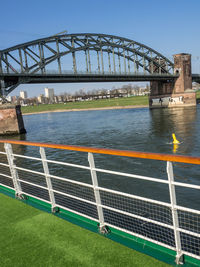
(93, 104)
(198, 96)
(103, 103)
(30, 237)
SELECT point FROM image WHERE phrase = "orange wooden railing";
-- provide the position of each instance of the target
(116, 152)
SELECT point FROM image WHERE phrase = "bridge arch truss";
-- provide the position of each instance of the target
(83, 53)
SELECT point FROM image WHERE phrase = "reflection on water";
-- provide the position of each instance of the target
(129, 129)
(175, 148)
(182, 122)
(17, 149)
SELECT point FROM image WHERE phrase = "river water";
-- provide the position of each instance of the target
(129, 129)
(132, 129)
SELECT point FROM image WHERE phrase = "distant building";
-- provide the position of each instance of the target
(55, 99)
(41, 99)
(14, 99)
(60, 99)
(23, 94)
(9, 98)
(49, 93)
(195, 86)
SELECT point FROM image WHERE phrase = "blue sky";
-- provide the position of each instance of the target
(169, 27)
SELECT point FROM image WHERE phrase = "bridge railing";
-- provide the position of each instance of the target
(162, 222)
(71, 72)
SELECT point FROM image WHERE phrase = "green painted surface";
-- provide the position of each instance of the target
(7, 191)
(141, 245)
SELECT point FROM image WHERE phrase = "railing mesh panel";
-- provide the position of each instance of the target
(138, 207)
(189, 221)
(190, 244)
(73, 189)
(5, 170)
(32, 178)
(134, 225)
(3, 158)
(76, 205)
(6, 181)
(35, 191)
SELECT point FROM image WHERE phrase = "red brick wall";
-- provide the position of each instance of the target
(182, 64)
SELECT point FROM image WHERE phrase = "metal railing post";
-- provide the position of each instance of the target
(172, 192)
(13, 171)
(48, 179)
(96, 192)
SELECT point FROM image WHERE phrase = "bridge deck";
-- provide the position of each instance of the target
(83, 77)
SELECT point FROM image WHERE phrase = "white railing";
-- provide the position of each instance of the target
(167, 224)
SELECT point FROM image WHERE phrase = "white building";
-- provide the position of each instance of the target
(23, 94)
(9, 98)
(41, 99)
(49, 93)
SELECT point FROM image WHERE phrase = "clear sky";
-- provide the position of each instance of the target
(168, 26)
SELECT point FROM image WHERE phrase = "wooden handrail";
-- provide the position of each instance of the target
(116, 152)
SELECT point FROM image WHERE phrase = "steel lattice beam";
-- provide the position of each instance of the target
(113, 54)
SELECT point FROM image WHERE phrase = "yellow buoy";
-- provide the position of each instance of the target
(175, 141)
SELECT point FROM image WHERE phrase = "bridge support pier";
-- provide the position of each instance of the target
(11, 120)
(176, 93)
(2, 88)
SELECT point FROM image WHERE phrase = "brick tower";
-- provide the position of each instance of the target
(176, 93)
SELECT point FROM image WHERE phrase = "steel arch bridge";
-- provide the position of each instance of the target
(82, 57)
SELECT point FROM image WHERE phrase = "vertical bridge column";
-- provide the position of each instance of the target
(182, 66)
(2, 88)
(11, 120)
(176, 93)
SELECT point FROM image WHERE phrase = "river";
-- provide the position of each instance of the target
(130, 129)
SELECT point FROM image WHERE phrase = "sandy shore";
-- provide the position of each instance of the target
(86, 109)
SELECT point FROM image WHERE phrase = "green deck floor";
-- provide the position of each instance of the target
(30, 237)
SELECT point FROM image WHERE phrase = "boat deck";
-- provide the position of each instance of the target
(31, 237)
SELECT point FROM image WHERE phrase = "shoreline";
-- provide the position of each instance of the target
(87, 109)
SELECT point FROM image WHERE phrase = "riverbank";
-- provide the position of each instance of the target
(86, 109)
(115, 103)
(103, 104)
